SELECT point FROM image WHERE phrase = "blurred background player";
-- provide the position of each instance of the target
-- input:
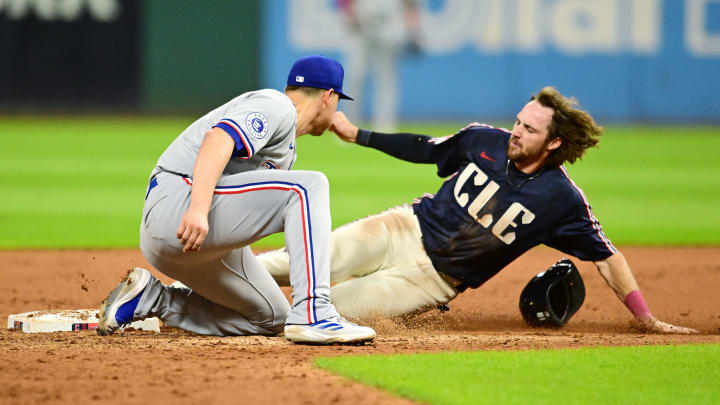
(505, 193)
(223, 184)
(381, 32)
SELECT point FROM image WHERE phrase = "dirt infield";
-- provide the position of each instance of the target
(680, 285)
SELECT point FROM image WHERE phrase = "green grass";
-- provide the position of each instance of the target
(604, 375)
(77, 182)
(655, 185)
(80, 182)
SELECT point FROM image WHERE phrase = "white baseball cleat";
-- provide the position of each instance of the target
(117, 310)
(332, 330)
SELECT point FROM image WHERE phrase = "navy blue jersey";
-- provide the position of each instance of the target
(488, 213)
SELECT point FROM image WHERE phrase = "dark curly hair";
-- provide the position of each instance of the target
(575, 127)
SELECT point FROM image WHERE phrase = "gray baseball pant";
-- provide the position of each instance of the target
(230, 292)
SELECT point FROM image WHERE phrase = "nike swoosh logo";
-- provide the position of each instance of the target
(484, 156)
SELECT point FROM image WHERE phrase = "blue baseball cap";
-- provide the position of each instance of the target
(319, 72)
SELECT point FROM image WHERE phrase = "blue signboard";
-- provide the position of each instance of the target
(625, 60)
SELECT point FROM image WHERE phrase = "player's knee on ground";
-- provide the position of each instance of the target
(274, 324)
(275, 327)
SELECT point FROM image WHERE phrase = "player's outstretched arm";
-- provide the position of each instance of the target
(414, 148)
(616, 272)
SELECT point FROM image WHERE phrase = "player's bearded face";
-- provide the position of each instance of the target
(529, 139)
(519, 150)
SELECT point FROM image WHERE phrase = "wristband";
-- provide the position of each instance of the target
(363, 137)
(637, 305)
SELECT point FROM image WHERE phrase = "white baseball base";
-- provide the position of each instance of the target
(68, 320)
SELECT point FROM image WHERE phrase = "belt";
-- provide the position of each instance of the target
(452, 281)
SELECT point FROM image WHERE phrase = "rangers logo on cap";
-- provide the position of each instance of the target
(257, 125)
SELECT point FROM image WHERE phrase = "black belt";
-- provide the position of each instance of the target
(452, 281)
(459, 285)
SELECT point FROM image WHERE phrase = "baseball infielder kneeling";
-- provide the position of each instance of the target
(505, 193)
(220, 186)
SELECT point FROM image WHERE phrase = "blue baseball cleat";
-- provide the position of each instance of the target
(332, 330)
(117, 310)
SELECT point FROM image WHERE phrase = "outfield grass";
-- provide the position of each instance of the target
(605, 375)
(80, 182)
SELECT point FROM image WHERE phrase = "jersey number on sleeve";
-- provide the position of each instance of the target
(489, 189)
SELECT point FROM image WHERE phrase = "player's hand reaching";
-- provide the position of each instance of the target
(344, 129)
(193, 229)
(654, 325)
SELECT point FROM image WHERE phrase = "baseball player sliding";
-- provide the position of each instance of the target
(505, 193)
(220, 186)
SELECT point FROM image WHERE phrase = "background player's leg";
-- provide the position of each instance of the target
(386, 95)
(358, 248)
(356, 72)
(232, 295)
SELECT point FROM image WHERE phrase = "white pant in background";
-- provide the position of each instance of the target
(379, 60)
(378, 266)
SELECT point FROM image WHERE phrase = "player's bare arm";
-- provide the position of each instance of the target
(214, 154)
(616, 272)
(345, 130)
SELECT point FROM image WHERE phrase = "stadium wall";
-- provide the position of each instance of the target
(198, 53)
(626, 60)
(126, 56)
(634, 60)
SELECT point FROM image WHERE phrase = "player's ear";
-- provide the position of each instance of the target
(327, 94)
(554, 143)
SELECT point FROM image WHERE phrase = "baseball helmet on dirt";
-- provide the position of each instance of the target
(552, 297)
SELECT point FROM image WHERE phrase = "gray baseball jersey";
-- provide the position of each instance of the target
(230, 292)
(262, 124)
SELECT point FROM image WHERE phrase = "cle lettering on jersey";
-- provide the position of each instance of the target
(489, 188)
